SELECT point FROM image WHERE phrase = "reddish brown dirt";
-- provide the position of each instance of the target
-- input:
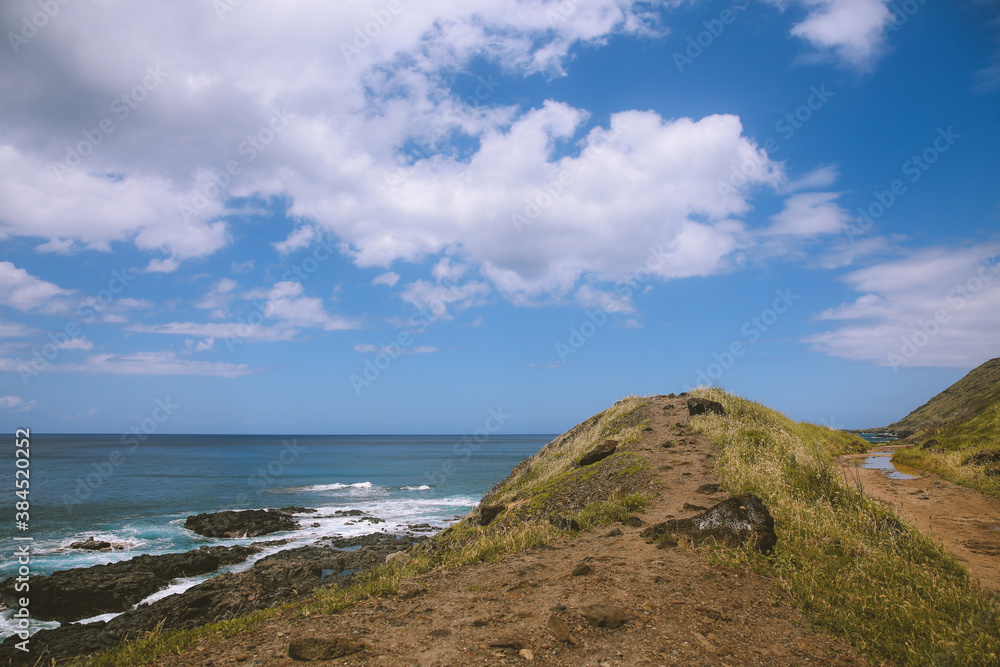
(680, 609)
(965, 522)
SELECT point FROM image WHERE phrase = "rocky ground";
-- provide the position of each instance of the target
(602, 598)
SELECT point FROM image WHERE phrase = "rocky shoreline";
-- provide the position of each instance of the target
(72, 595)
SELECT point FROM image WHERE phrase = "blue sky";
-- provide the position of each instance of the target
(383, 217)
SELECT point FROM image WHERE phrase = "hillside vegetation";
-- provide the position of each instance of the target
(952, 427)
(974, 393)
(844, 559)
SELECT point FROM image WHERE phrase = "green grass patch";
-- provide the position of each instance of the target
(623, 422)
(846, 561)
(144, 650)
(606, 512)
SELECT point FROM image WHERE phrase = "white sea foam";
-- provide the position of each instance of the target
(422, 487)
(336, 486)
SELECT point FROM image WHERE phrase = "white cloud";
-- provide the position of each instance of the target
(218, 83)
(75, 344)
(23, 291)
(218, 298)
(436, 299)
(933, 307)
(153, 363)
(445, 269)
(299, 238)
(810, 214)
(644, 181)
(14, 330)
(817, 179)
(10, 402)
(285, 302)
(368, 348)
(641, 183)
(390, 278)
(848, 252)
(94, 210)
(852, 30)
(232, 330)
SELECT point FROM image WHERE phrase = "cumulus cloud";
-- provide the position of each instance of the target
(338, 161)
(286, 302)
(933, 307)
(23, 291)
(389, 279)
(810, 214)
(851, 30)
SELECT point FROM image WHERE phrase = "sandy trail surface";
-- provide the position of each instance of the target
(964, 521)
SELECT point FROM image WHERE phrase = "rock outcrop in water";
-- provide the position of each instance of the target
(243, 523)
(282, 577)
(70, 595)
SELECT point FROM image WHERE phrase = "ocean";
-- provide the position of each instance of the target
(139, 492)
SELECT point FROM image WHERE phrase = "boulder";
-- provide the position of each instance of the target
(489, 512)
(983, 457)
(599, 453)
(740, 519)
(700, 406)
(245, 523)
(930, 444)
(90, 544)
(707, 489)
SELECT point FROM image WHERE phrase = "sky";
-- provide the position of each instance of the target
(220, 216)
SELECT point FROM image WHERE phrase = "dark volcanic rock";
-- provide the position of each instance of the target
(70, 595)
(732, 521)
(700, 406)
(90, 544)
(297, 510)
(930, 444)
(349, 513)
(246, 523)
(66, 640)
(707, 489)
(983, 457)
(488, 513)
(599, 453)
(273, 580)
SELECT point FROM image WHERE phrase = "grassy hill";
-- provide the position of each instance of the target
(962, 401)
(961, 421)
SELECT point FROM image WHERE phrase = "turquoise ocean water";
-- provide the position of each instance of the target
(139, 493)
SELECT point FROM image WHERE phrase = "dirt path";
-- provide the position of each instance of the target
(964, 521)
(681, 611)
